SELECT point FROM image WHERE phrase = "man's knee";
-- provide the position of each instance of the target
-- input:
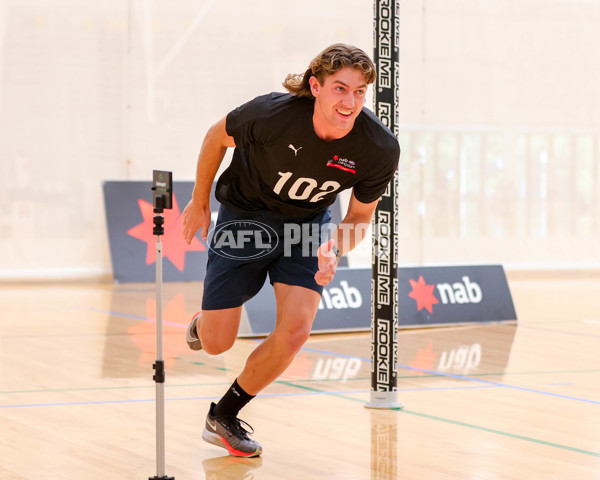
(296, 335)
(218, 330)
(215, 346)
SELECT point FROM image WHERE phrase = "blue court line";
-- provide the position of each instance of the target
(315, 392)
(118, 314)
(341, 355)
(463, 377)
(562, 332)
(302, 380)
(143, 400)
(136, 317)
(514, 387)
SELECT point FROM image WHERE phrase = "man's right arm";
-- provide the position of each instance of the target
(196, 215)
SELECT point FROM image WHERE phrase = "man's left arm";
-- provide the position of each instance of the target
(349, 233)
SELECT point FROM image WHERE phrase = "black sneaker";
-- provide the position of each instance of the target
(192, 334)
(228, 432)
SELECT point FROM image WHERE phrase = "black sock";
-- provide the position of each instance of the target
(233, 401)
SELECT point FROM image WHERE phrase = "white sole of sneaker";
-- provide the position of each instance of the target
(217, 440)
(193, 343)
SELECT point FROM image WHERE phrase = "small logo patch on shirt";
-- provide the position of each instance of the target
(296, 150)
(342, 163)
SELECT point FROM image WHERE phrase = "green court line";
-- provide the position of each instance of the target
(504, 373)
(303, 380)
(506, 434)
(127, 387)
(456, 422)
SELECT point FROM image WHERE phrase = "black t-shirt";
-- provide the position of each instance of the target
(280, 164)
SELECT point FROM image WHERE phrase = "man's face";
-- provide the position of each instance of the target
(338, 102)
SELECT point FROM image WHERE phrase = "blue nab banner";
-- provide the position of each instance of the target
(427, 296)
(453, 295)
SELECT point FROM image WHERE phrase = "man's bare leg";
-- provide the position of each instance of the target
(296, 310)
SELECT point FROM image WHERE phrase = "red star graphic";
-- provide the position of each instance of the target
(173, 244)
(424, 360)
(423, 294)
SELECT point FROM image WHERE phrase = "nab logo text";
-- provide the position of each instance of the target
(448, 293)
(340, 298)
(465, 292)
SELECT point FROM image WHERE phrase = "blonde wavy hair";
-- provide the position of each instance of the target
(328, 62)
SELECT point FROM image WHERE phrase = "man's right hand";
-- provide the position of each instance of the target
(196, 216)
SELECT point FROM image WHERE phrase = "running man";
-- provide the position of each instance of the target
(294, 153)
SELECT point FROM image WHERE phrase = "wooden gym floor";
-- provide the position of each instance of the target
(498, 401)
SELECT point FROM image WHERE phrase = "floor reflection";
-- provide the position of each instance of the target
(230, 468)
(130, 349)
(465, 350)
(384, 445)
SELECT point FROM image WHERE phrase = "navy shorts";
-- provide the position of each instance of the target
(245, 247)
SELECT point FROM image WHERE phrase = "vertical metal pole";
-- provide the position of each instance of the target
(160, 386)
(384, 282)
(162, 187)
(159, 365)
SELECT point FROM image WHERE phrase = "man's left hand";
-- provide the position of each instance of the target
(327, 263)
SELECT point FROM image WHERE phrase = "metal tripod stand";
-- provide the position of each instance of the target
(162, 199)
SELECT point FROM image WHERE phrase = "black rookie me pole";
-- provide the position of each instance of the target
(162, 188)
(384, 280)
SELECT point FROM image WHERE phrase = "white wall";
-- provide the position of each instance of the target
(111, 89)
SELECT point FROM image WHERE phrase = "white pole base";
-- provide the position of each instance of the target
(384, 400)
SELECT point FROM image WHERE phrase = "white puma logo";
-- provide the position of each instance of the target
(294, 149)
